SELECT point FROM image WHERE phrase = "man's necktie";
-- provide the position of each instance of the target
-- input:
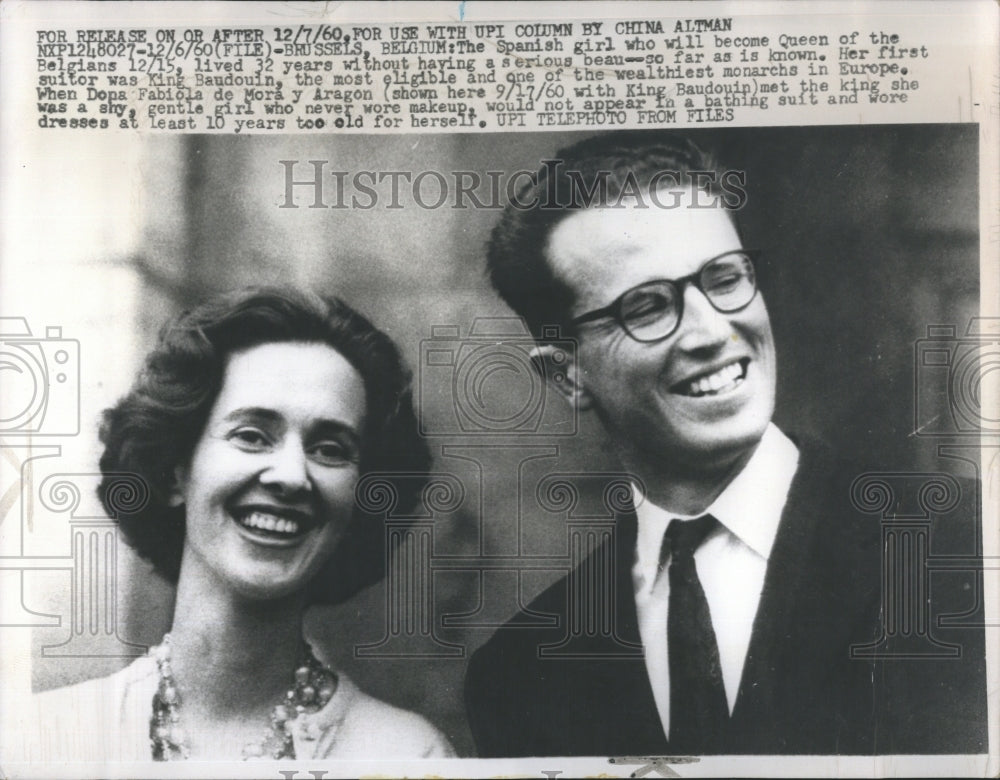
(699, 711)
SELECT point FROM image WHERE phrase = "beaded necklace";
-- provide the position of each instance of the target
(313, 686)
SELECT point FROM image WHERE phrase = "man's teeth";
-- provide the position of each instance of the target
(269, 522)
(725, 378)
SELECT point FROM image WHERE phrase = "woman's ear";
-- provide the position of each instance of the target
(560, 370)
(175, 497)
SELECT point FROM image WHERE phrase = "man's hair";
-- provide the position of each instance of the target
(599, 171)
(157, 425)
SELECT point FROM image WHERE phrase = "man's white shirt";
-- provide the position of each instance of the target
(731, 564)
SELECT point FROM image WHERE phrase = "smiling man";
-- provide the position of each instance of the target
(681, 362)
(741, 577)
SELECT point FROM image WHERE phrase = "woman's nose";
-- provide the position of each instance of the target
(287, 469)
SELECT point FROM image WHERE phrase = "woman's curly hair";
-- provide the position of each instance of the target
(155, 427)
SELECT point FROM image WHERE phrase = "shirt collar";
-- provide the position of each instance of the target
(750, 507)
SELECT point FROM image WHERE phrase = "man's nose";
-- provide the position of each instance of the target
(287, 469)
(702, 326)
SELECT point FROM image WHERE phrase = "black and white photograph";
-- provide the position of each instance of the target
(539, 442)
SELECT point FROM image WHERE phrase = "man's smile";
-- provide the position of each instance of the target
(714, 381)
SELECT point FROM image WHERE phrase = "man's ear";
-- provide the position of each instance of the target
(175, 497)
(559, 368)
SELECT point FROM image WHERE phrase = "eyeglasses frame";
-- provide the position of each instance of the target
(613, 309)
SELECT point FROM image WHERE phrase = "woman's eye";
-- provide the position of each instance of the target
(249, 438)
(332, 452)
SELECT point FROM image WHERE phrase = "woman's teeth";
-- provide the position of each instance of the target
(726, 378)
(268, 522)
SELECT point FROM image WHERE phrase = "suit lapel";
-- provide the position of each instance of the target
(620, 687)
(804, 621)
(784, 582)
(641, 729)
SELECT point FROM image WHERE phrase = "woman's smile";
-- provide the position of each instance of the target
(273, 524)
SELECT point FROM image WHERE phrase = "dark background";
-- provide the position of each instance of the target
(870, 234)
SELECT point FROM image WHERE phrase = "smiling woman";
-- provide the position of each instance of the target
(270, 485)
(250, 425)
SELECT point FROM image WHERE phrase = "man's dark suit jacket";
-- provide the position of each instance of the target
(801, 692)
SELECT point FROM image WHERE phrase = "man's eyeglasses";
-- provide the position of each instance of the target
(652, 311)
